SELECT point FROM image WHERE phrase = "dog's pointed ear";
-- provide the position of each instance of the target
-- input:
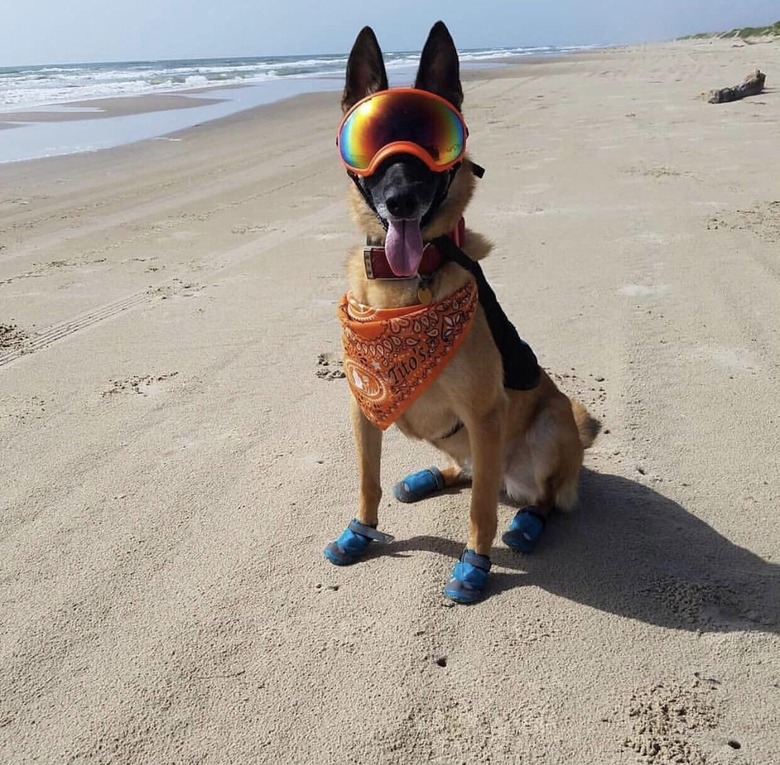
(439, 70)
(365, 69)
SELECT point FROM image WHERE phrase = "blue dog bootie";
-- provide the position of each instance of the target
(353, 543)
(469, 578)
(417, 486)
(524, 530)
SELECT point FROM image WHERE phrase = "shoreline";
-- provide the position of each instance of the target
(127, 120)
(169, 112)
(169, 116)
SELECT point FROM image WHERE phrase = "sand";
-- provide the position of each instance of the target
(176, 449)
(106, 108)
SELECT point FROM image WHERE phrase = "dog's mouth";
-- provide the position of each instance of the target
(404, 245)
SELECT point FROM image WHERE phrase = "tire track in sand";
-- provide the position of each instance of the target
(64, 329)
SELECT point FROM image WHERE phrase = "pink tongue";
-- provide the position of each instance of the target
(404, 246)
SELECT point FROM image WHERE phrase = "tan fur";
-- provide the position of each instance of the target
(587, 426)
(528, 442)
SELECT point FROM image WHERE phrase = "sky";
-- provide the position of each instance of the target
(75, 31)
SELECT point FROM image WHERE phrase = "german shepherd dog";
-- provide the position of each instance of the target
(528, 443)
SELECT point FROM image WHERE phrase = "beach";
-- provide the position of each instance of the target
(176, 448)
(60, 109)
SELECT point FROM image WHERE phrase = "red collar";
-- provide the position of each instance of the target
(377, 267)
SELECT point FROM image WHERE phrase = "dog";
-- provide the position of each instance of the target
(527, 440)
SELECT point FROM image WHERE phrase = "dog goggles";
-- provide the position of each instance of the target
(401, 120)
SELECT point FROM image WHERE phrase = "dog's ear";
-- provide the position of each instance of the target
(439, 70)
(365, 70)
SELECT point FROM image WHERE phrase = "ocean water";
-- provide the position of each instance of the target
(261, 80)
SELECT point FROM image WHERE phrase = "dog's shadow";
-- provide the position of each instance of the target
(630, 551)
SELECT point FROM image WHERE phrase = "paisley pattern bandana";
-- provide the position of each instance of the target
(391, 355)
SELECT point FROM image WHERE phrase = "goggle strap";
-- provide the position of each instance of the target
(478, 170)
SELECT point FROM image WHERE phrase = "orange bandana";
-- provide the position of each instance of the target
(391, 355)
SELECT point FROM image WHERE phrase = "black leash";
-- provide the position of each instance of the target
(521, 369)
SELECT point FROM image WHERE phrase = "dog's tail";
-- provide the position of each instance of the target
(588, 427)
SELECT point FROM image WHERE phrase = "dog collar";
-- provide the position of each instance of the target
(377, 267)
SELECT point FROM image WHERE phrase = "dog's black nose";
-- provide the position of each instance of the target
(401, 204)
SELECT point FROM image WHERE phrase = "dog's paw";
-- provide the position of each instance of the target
(419, 485)
(525, 530)
(469, 578)
(353, 543)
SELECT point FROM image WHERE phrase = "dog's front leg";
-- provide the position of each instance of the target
(368, 445)
(486, 437)
(361, 531)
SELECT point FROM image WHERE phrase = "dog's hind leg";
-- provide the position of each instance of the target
(529, 522)
(427, 482)
(556, 456)
(361, 531)
(455, 475)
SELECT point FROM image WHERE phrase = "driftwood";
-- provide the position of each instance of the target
(750, 86)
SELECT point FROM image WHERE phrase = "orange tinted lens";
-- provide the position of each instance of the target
(393, 116)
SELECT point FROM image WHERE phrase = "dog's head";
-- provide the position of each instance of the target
(414, 201)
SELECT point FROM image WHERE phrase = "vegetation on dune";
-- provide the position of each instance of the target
(773, 30)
